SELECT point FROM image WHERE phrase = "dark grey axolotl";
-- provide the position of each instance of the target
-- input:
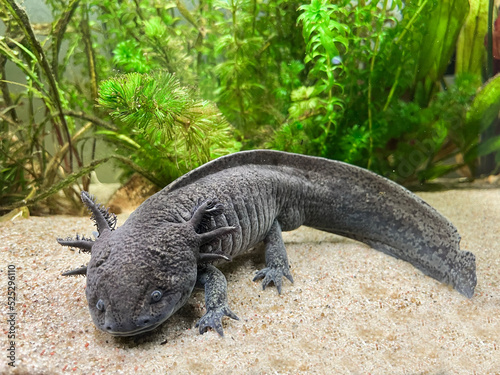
(142, 272)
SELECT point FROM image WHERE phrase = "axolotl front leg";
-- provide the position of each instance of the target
(215, 284)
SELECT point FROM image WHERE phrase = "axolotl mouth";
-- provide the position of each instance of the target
(119, 324)
(135, 332)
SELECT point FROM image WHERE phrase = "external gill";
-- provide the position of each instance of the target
(84, 244)
(103, 219)
(82, 271)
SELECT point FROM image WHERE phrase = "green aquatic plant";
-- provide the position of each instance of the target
(28, 166)
(480, 119)
(434, 138)
(354, 81)
(438, 44)
(326, 40)
(253, 49)
(333, 108)
(471, 54)
(380, 66)
(166, 126)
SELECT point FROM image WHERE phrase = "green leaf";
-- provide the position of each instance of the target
(154, 28)
(489, 146)
(485, 107)
(471, 54)
(438, 43)
(122, 137)
(436, 171)
(484, 148)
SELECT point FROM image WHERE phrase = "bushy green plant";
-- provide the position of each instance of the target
(326, 40)
(164, 124)
(351, 59)
(432, 138)
(254, 49)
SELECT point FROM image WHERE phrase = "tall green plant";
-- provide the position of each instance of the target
(254, 47)
(438, 44)
(27, 165)
(326, 39)
(240, 48)
(351, 62)
(316, 107)
(471, 54)
(481, 117)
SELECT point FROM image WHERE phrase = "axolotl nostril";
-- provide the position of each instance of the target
(142, 272)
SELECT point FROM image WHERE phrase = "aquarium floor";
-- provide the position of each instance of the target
(350, 310)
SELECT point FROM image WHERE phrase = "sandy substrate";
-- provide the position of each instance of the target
(350, 310)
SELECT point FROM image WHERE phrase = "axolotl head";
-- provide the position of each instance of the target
(138, 277)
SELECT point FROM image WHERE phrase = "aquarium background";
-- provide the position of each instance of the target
(406, 89)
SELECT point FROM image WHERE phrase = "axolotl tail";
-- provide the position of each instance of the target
(384, 215)
(460, 271)
(464, 276)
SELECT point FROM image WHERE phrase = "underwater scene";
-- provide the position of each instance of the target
(273, 186)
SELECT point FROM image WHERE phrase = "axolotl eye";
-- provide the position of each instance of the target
(100, 305)
(156, 296)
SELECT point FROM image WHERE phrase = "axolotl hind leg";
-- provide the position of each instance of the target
(276, 259)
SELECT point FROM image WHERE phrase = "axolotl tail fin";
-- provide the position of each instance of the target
(464, 274)
(459, 272)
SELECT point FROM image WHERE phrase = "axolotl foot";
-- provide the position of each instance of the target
(276, 260)
(213, 319)
(215, 285)
(274, 275)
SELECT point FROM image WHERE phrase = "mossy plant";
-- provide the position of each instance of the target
(167, 126)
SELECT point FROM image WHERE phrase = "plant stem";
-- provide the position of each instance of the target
(393, 89)
(4, 87)
(254, 15)
(51, 169)
(23, 21)
(412, 21)
(89, 51)
(55, 188)
(370, 78)
(239, 94)
(139, 170)
(93, 119)
(186, 13)
(489, 49)
(58, 36)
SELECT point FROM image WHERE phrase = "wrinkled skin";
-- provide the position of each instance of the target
(140, 309)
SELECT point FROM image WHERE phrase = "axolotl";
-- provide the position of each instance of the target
(142, 272)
